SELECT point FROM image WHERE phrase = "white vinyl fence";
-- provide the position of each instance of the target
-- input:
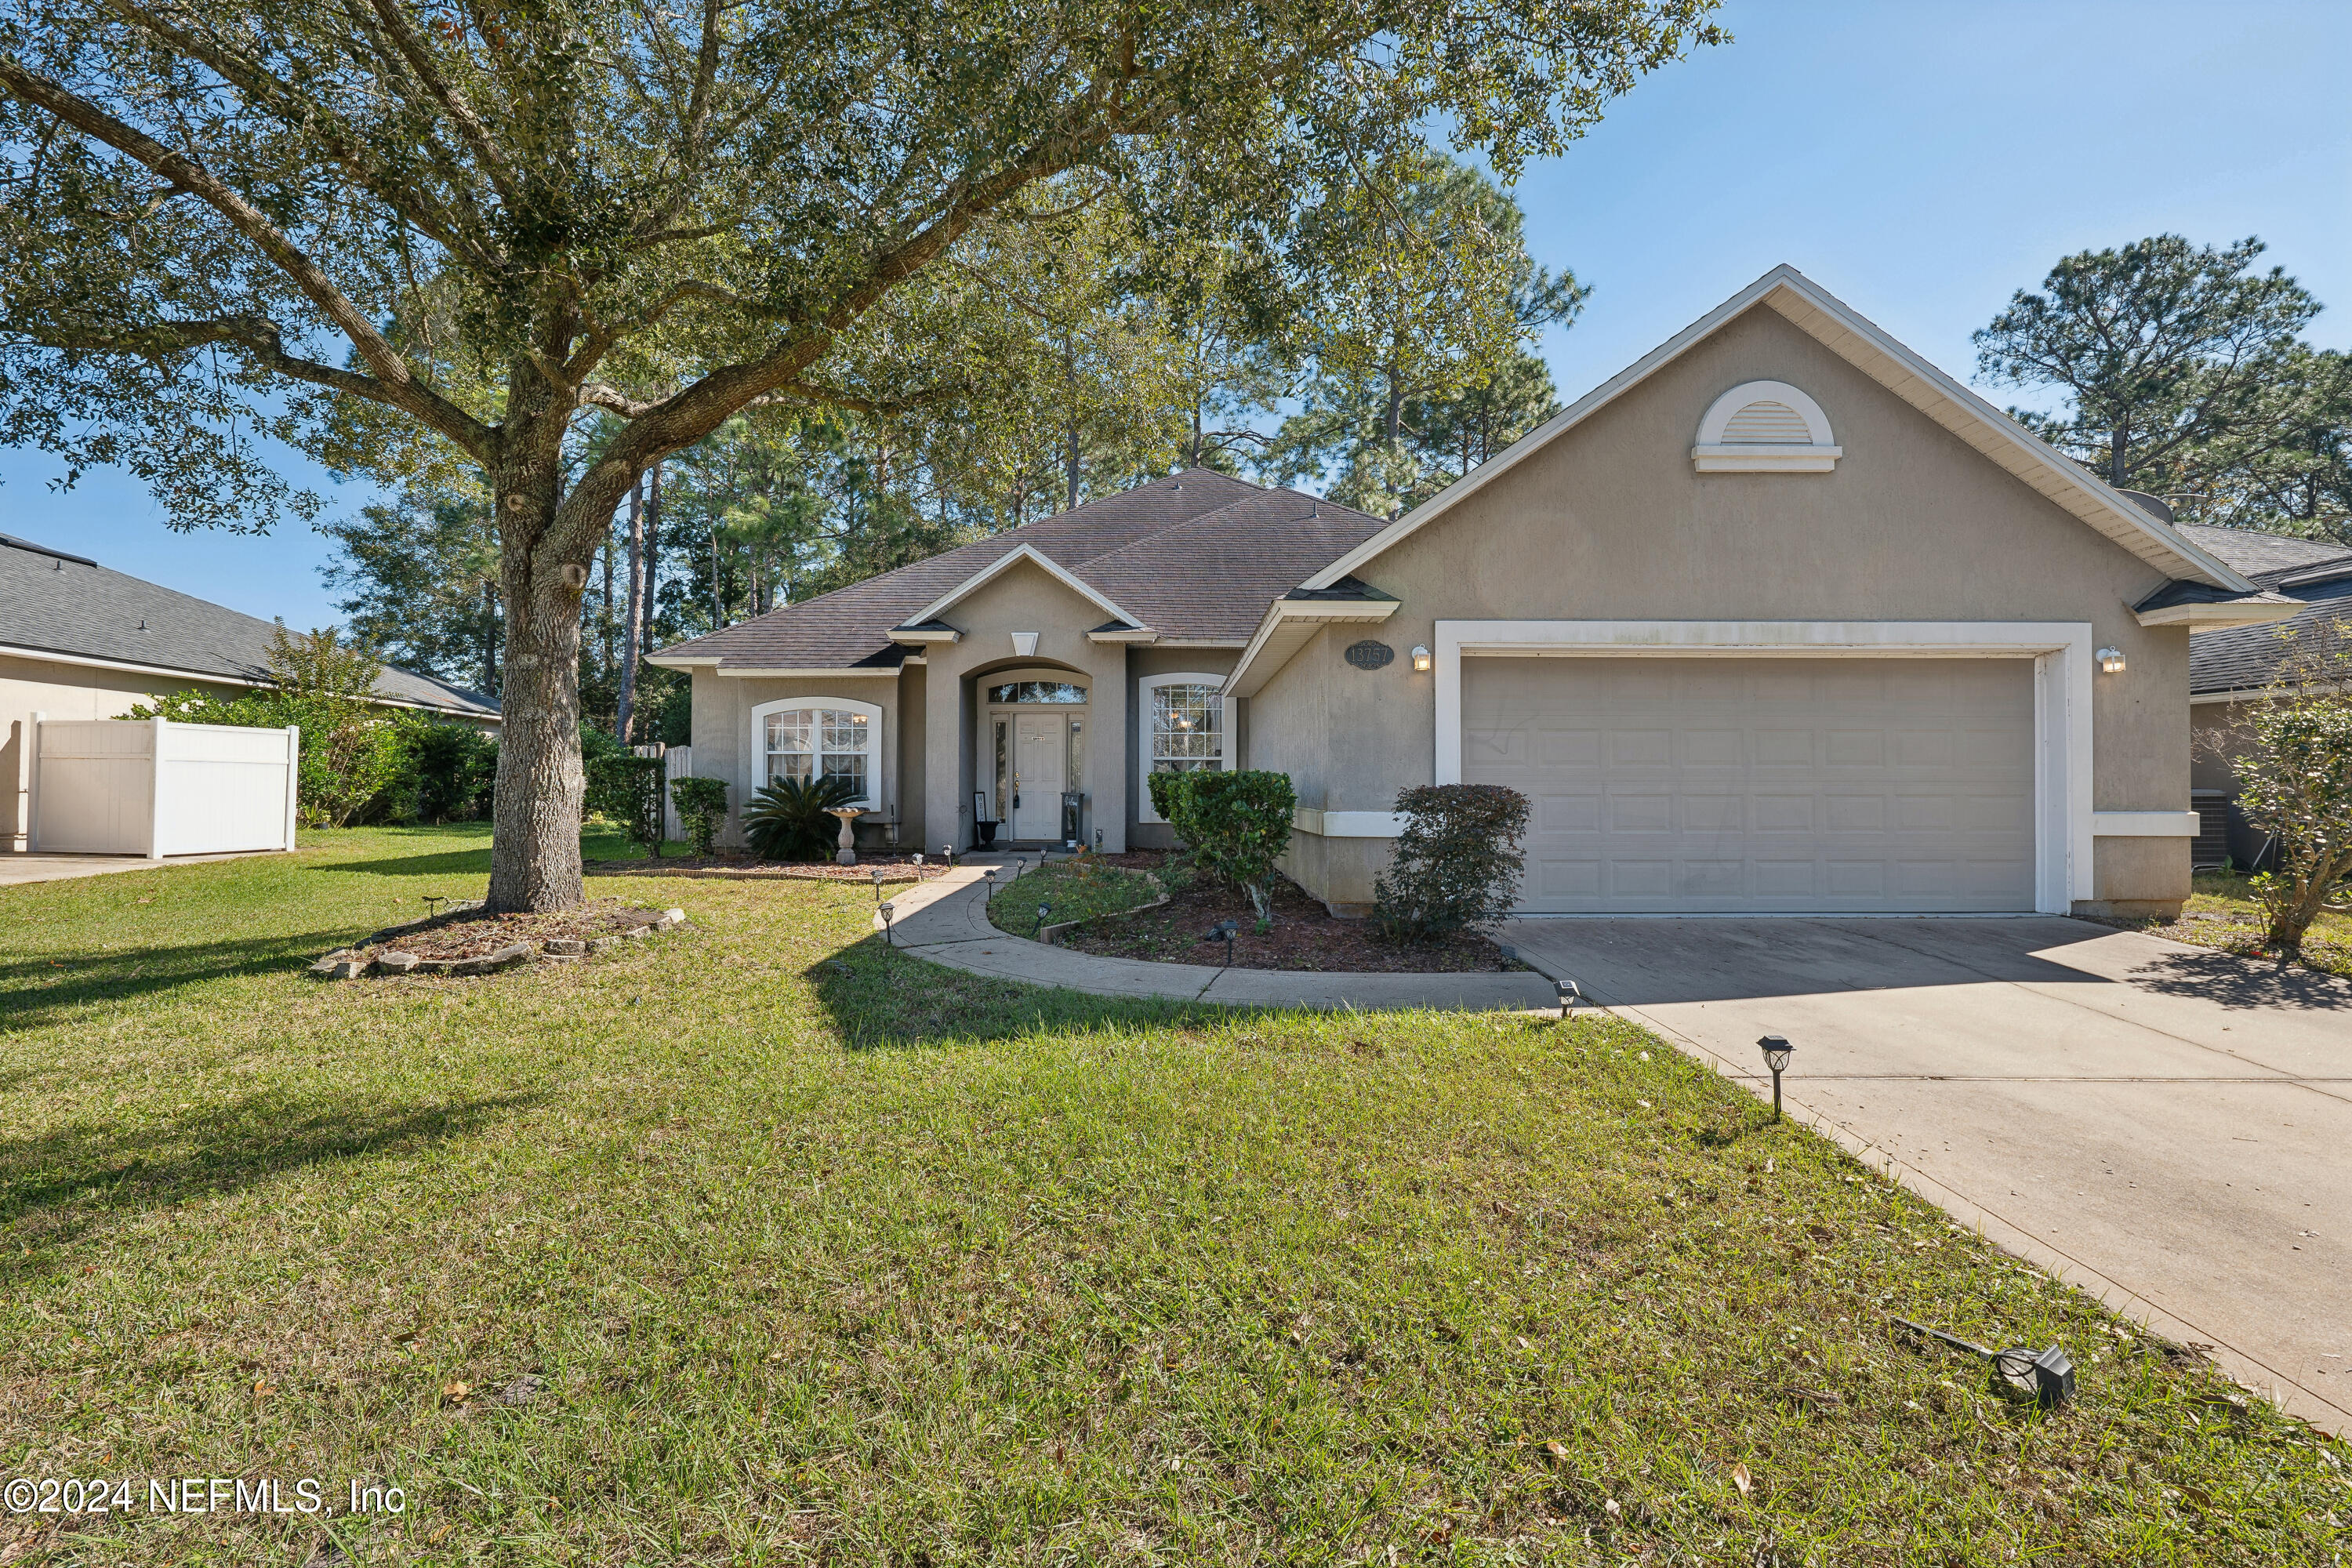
(147, 786)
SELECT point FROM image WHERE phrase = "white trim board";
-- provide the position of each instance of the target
(2146, 825)
(1830, 321)
(2061, 652)
(1348, 824)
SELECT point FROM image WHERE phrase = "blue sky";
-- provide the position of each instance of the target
(1920, 161)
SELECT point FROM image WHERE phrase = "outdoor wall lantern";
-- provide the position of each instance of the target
(2111, 661)
(1777, 1052)
(1420, 660)
(889, 934)
(990, 875)
(1225, 932)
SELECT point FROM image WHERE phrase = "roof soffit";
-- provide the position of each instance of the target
(1837, 327)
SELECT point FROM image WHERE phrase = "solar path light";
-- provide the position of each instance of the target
(1777, 1052)
(947, 853)
(889, 934)
(1570, 998)
(2046, 1375)
(877, 884)
(1225, 932)
(990, 875)
(918, 865)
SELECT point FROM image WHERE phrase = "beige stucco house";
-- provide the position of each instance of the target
(79, 640)
(1779, 619)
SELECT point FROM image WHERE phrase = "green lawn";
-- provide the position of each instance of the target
(822, 1255)
(2221, 913)
(1073, 891)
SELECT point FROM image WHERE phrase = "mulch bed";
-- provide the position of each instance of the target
(746, 867)
(464, 941)
(1305, 934)
(469, 934)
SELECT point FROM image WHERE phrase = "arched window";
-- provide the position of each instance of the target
(1188, 730)
(819, 737)
(1765, 428)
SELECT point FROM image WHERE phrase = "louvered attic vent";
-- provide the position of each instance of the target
(1765, 428)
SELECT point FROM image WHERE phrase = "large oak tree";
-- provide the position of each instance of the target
(400, 233)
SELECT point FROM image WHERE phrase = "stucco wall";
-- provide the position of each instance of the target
(1025, 599)
(1611, 522)
(30, 685)
(724, 747)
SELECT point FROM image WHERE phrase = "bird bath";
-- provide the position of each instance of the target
(846, 854)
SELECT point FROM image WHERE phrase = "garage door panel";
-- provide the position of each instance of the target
(1666, 785)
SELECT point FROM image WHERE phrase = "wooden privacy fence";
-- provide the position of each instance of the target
(148, 786)
(678, 762)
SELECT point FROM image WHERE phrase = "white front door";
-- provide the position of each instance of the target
(1040, 749)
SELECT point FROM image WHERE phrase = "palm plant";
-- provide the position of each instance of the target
(787, 820)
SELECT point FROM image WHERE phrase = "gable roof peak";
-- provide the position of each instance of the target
(1861, 342)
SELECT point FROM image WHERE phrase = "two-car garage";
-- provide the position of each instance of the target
(1724, 784)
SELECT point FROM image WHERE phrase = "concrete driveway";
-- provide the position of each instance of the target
(2168, 1127)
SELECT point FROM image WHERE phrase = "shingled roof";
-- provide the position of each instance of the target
(1196, 557)
(2247, 658)
(54, 601)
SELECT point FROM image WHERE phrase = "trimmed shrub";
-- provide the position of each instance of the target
(787, 820)
(1162, 788)
(1457, 861)
(702, 807)
(626, 789)
(455, 769)
(1234, 825)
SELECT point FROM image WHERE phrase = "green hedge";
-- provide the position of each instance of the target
(1234, 825)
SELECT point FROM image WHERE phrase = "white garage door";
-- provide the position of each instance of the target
(1717, 785)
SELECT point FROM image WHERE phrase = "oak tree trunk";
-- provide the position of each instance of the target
(542, 786)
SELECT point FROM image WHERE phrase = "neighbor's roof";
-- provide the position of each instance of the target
(1196, 557)
(2247, 658)
(1854, 338)
(68, 607)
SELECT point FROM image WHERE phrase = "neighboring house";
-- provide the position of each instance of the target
(80, 641)
(2231, 669)
(1780, 619)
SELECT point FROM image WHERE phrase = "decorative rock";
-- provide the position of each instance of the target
(635, 931)
(673, 917)
(327, 964)
(564, 947)
(396, 963)
(347, 969)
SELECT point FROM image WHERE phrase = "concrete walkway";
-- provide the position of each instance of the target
(945, 921)
(2163, 1125)
(15, 868)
